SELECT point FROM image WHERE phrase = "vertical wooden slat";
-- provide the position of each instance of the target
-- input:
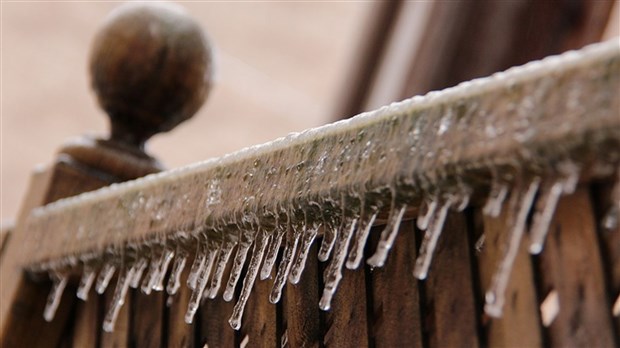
(570, 264)
(450, 318)
(301, 306)
(87, 327)
(259, 320)
(395, 315)
(120, 336)
(346, 322)
(214, 328)
(180, 334)
(146, 318)
(520, 322)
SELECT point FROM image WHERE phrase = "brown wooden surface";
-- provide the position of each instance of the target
(260, 317)
(396, 317)
(214, 328)
(147, 319)
(571, 264)
(87, 329)
(449, 305)
(301, 310)
(520, 322)
(180, 334)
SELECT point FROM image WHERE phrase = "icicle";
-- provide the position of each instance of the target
(272, 252)
(105, 275)
(247, 237)
(616, 309)
(497, 195)
(220, 266)
(199, 260)
(611, 219)
(520, 205)
(53, 299)
(329, 238)
(480, 243)
(550, 192)
(550, 308)
(361, 235)
(201, 283)
(86, 282)
(139, 268)
(120, 293)
(150, 280)
(387, 237)
(168, 254)
(248, 281)
(333, 273)
(174, 281)
(300, 261)
(429, 242)
(292, 239)
(426, 212)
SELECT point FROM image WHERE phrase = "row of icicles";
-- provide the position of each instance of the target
(343, 241)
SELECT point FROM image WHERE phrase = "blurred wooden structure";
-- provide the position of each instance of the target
(458, 41)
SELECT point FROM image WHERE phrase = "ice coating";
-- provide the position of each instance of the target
(174, 280)
(86, 282)
(120, 293)
(53, 299)
(521, 200)
(550, 193)
(423, 149)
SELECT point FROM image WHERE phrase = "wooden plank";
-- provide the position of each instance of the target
(570, 265)
(147, 313)
(520, 322)
(450, 316)
(87, 326)
(180, 334)
(214, 328)
(301, 306)
(346, 323)
(119, 338)
(259, 325)
(395, 317)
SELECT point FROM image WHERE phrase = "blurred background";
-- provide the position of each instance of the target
(280, 67)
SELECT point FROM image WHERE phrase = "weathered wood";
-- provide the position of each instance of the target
(260, 318)
(520, 321)
(146, 318)
(396, 316)
(570, 264)
(346, 323)
(214, 328)
(450, 315)
(180, 334)
(88, 323)
(301, 311)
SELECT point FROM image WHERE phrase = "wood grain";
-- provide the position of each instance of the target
(571, 265)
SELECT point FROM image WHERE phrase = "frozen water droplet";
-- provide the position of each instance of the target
(53, 299)
(387, 236)
(167, 256)
(429, 242)
(550, 308)
(86, 282)
(427, 210)
(333, 273)
(497, 195)
(174, 282)
(152, 274)
(550, 192)
(247, 237)
(199, 259)
(248, 281)
(201, 283)
(480, 243)
(220, 266)
(300, 261)
(359, 241)
(272, 253)
(139, 268)
(520, 204)
(105, 275)
(120, 293)
(292, 239)
(460, 200)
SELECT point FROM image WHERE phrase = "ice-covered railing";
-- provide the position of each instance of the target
(518, 139)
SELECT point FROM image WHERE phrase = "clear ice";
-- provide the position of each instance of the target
(86, 282)
(53, 299)
(120, 293)
(429, 242)
(387, 236)
(238, 262)
(201, 283)
(272, 252)
(299, 264)
(497, 195)
(174, 280)
(292, 239)
(521, 200)
(549, 196)
(220, 267)
(359, 240)
(105, 275)
(333, 273)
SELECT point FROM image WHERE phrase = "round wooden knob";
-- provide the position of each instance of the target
(151, 68)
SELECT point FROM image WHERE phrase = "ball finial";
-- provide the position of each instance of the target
(151, 68)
